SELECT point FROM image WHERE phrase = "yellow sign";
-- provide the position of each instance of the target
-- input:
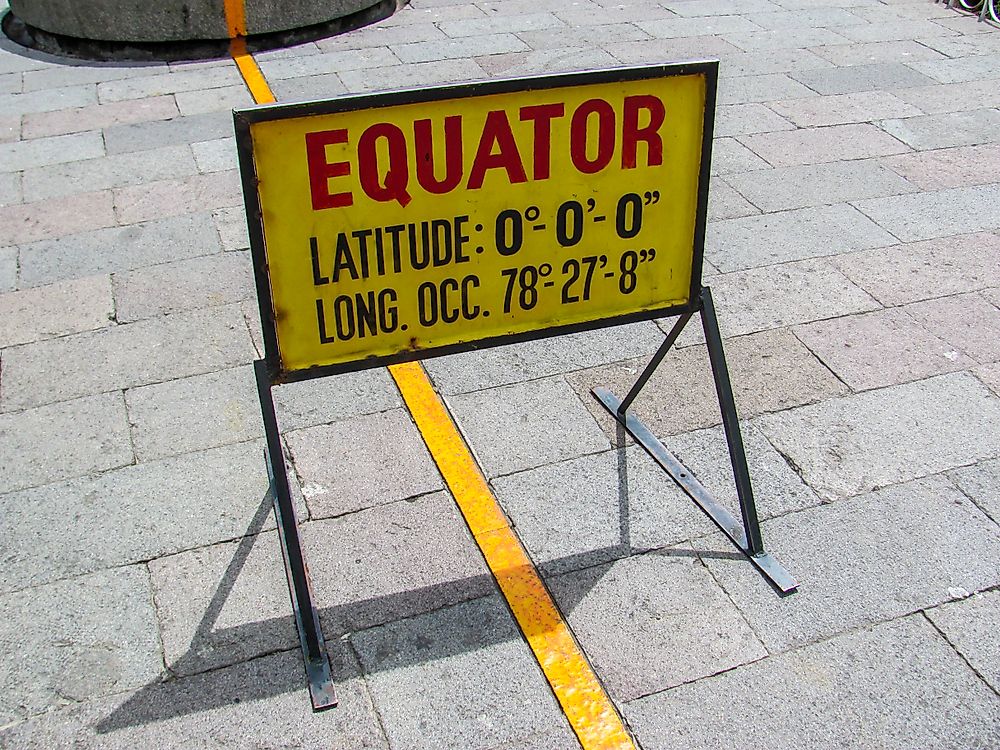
(423, 221)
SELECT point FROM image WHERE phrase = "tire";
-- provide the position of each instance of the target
(994, 10)
(971, 5)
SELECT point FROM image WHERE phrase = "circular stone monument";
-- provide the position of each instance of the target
(144, 22)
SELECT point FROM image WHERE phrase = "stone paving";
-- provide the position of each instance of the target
(854, 252)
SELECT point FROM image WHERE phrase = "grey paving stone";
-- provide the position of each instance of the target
(215, 156)
(759, 41)
(950, 167)
(48, 100)
(407, 76)
(205, 281)
(921, 270)
(818, 145)
(743, 119)
(108, 172)
(715, 7)
(873, 77)
(56, 149)
(823, 17)
(63, 440)
(668, 28)
(8, 268)
(881, 348)
(157, 200)
(864, 560)
(778, 489)
(312, 402)
(10, 188)
(730, 156)
(589, 37)
(56, 217)
(67, 75)
(957, 70)
(460, 676)
(972, 627)
(74, 640)
(373, 567)
(124, 356)
(97, 116)
(866, 53)
(592, 15)
(737, 244)
(172, 82)
(854, 444)
(10, 129)
(223, 604)
(617, 613)
(952, 97)
(888, 29)
(766, 62)
(560, 739)
(763, 88)
(769, 371)
(524, 425)
(231, 224)
(512, 23)
(968, 322)
(930, 214)
(602, 507)
(820, 184)
(117, 249)
(597, 508)
(214, 99)
(864, 106)
(308, 88)
(377, 35)
(328, 62)
(11, 83)
(262, 699)
(981, 482)
(546, 60)
(362, 462)
(55, 310)
(131, 514)
(121, 139)
(776, 296)
(990, 375)
(870, 688)
(515, 363)
(190, 414)
(947, 130)
(485, 44)
(679, 48)
(726, 203)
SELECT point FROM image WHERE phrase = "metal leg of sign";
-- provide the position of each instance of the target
(321, 690)
(746, 535)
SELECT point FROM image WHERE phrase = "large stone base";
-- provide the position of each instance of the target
(140, 21)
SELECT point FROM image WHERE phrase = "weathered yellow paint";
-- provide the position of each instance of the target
(587, 707)
(377, 244)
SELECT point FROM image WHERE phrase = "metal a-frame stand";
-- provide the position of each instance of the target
(746, 535)
(321, 690)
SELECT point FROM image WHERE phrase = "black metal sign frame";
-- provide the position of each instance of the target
(744, 533)
(245, 118)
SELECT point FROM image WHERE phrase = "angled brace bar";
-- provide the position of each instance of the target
(321, 690)
(746, 535)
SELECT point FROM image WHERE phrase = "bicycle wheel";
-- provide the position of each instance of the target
(994, 10)
(970, 5)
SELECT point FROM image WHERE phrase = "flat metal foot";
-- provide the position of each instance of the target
(731, 526)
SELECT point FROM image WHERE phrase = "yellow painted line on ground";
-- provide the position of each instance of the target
(584, 702)
(236, 18)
